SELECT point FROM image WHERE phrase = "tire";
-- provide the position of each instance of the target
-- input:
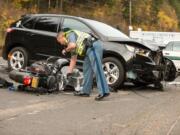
(60, 81)
(17, 58)
(115, 75)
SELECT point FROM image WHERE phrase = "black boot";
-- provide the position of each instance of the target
(100, 97)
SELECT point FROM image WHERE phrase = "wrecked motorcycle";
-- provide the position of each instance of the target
(50, 75)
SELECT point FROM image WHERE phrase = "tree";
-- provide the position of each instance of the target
(166, 22)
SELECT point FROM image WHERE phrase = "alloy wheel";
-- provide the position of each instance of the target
(17, 60)
(111, 72)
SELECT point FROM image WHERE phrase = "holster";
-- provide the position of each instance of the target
(88, 42)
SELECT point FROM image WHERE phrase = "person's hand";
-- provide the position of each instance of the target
(64, 52)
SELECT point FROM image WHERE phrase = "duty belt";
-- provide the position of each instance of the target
(88, 42)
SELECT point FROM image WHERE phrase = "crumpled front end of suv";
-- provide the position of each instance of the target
(148, 65)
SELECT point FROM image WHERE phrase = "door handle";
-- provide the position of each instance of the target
(32, 34)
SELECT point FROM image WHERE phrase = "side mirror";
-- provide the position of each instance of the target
(162, 47)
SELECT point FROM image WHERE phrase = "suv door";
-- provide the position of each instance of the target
(26, 34)
(43, 37)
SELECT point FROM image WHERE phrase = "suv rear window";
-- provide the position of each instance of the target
(23, 21)
(47, 24)
(29, 24)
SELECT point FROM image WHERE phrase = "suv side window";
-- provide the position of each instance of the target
(176, 46)
(169, 47)
(47, 24)
(75, 24)
(20, 22)
(30, 24)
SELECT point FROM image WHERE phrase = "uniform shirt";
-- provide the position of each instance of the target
(72, 38)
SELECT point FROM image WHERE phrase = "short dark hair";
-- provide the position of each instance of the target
(62, 31)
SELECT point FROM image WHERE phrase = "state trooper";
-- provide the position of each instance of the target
(84, 44)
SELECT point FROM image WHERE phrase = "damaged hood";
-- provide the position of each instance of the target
(134, 43)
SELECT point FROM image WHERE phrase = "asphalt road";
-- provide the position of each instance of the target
(131, 111)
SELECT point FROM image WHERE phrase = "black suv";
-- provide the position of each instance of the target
(33, 37)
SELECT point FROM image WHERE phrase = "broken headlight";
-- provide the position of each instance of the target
(138, 51)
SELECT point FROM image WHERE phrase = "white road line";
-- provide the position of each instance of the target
(173, 125)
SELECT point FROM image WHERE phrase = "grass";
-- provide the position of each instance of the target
(1, 42)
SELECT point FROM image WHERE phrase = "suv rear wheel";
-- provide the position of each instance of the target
(17, 58)
(114, 72)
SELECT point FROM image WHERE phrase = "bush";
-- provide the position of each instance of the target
(2, 36)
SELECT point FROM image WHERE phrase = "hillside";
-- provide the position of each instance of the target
(160, 15)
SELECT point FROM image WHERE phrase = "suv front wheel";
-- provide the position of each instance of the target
(17, 58)
(114, 72)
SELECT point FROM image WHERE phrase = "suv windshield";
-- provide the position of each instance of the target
(176, 46)
(106, 30)
(173, 46)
